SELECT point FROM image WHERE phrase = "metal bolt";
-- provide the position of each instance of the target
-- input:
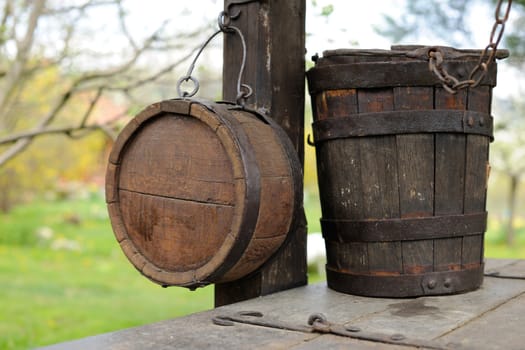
(481, 121)
(447, 283)
(397, 337)
(353, 328)
(431, 284)
(470, 121)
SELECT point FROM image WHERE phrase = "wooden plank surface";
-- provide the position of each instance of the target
(192, 332)
(501, 328)
(489, 318)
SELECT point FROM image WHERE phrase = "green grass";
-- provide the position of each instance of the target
(63, 275)
(495, 240)
(77, 282)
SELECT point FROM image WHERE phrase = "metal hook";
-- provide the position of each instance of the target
(224, 21)
(236, 3)
(309, 140)
(188, 75)
(243, 95)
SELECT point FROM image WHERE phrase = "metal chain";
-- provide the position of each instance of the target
(224, 22)
(451, 83)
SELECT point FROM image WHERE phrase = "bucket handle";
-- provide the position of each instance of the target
(224, 22)
(450, 83)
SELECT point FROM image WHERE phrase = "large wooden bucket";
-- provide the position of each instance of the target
(402, 167)
(201, 192)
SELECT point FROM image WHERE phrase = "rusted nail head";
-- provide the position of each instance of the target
(353, 329)
(221, 321)
(397, 337)
(431, 284)
(250, 313)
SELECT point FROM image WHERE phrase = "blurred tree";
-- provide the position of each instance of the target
(59, 62)
(508, 154)
(448, 22)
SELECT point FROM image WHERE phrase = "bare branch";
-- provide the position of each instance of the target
(22, 143)
(91, 106)
(118, 78)
(125, 66)
(68, 130)
(5, 15)
(86, 5)
(124, 27)
(154, 76)
(23, 48)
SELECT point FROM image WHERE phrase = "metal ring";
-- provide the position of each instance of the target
(224, 20)
(185, 93)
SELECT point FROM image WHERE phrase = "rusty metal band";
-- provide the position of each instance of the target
(252, 180)
(403, 122)
(386, 75)
(388, 230)
(405, 285)
(297, 175)
(295, 169)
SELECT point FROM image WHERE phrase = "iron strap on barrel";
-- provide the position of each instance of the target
(403, 122)
(403, 285)
(386, 74)
(404, 229)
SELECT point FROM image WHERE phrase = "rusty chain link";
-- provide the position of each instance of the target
(450, 83)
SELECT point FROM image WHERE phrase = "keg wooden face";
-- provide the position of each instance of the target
(176, 191)
(196, 196)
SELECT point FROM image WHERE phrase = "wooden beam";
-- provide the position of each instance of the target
(275, 37)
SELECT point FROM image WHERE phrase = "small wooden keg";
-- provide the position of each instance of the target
(402, 167)
(201, 192)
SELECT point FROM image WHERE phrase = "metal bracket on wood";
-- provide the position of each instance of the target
(318, 323)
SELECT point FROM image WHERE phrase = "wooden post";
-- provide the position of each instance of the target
(275, 37)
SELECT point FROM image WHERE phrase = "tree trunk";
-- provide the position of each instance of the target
(513, 189)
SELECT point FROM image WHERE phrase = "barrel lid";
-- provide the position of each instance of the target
(414, 52)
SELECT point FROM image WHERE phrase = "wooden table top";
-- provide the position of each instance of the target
(492, 317)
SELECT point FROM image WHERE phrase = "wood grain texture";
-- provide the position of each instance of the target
(379, 181)
(392, 144)
(415, 154)
(489, 318)
(476, 175)
(192, 196)
(275, 70)
(450, 181)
